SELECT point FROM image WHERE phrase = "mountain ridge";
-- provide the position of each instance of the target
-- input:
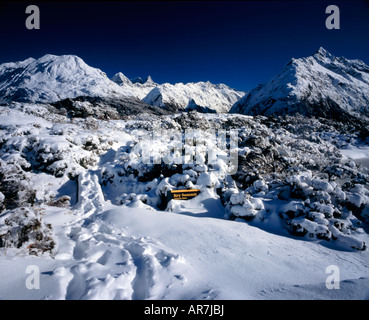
(53, 78)
(318, 85)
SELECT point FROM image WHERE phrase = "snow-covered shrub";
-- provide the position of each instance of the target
(61, 202)
(358, 195)
(24, 228)
(293, 161)
(15, 186)
(208, 180)
(260, 186)
(289, 163)
(242, 205)
(302, 226)
(163, 156)
(163, 187)
(2, 198)
(322, 212)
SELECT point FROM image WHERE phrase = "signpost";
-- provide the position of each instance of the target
(182, 194)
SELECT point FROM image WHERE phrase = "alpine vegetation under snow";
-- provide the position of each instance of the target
(87, 176)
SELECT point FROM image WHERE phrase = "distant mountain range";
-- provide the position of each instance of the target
(320, 85)
(53, 78)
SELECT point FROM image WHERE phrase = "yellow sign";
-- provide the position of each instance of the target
(182, 194)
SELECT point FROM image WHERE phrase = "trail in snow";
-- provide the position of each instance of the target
(119, 252)
(107, 264)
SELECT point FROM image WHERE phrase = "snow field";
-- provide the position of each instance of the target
(116, 238)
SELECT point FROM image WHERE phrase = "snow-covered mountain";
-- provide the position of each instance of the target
(319, 85)
(201, 96)
(120, 79)
(136, 87)
(146, 80)
(52, 78)
(216, 97)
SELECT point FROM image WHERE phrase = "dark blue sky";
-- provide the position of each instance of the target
(241, 43)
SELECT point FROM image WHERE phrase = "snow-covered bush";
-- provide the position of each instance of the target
(24, 228)
(242, 205)
(2, 198)
(322, 211)
(15, 186)
(291, 163)
(61, 202)
(164, 157)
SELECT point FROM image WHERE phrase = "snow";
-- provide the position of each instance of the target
(305, 85)
(355, 152)
(53, 78)
(218, 98)
(113, 255)
(113, 242)
(84, 200)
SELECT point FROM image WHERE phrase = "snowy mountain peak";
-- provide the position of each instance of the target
(207, 96)
(136, 87)
(119, 78)
(149, 80)
(322, 53)
(52, 78)
(319, 85)
(62, 65)
(139, 80)
(55, 58)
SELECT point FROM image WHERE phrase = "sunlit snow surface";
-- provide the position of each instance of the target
(111, 245)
